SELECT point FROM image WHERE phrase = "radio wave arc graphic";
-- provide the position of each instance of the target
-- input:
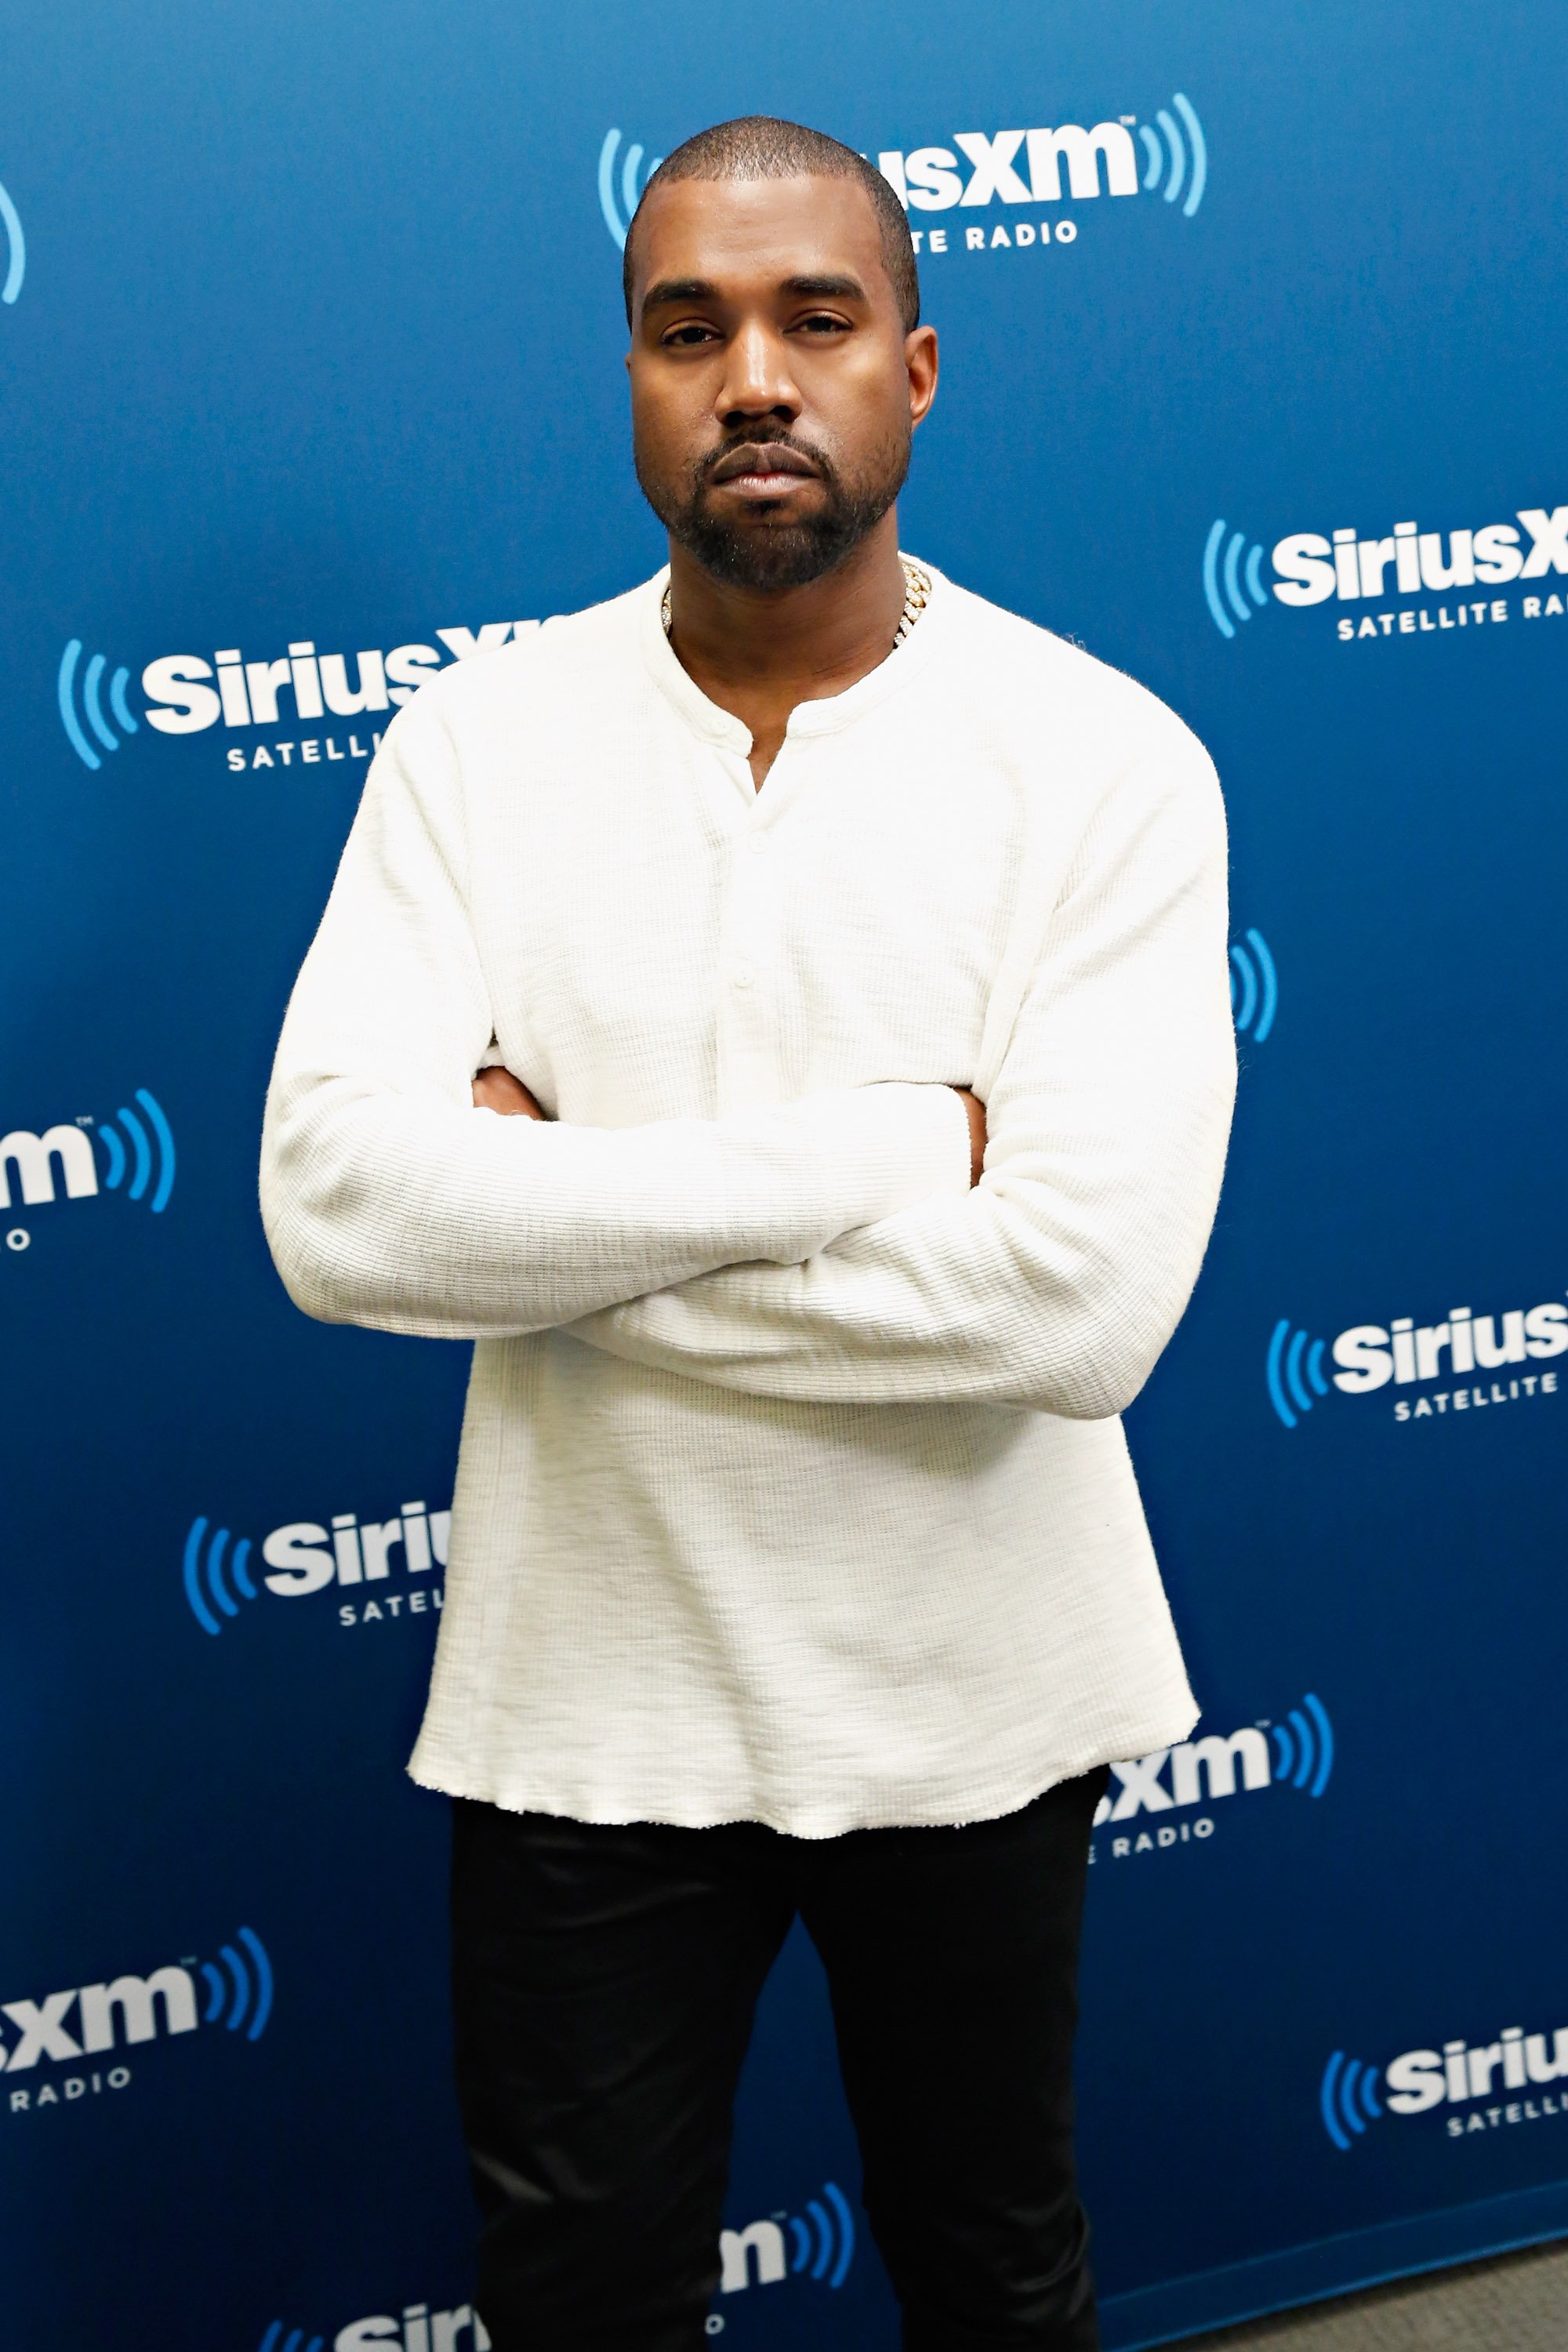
(1295, 1360)
(246, 1990)
(1306, 1743)
(617, 216)
(17, 245)
(1254, 987)
(1230, 573)
(1347, 2098)
(204, 1578)
(1184, 162)
(140, 1158)
(91, 680)
(295, 2341)
(824, 2246)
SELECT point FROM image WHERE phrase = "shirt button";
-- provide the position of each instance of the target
(742, 975)
(758, 844)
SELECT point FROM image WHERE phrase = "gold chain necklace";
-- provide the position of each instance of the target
(917, 596)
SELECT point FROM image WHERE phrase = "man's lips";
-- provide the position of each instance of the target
(762, 465)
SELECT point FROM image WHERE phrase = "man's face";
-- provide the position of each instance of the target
(774, 387)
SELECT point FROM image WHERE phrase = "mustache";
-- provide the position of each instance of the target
(769, 438)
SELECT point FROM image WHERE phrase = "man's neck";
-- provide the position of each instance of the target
(758, 653)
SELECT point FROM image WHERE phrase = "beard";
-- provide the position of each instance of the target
(777, 555)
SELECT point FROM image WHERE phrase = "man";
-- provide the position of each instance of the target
(797, 1562)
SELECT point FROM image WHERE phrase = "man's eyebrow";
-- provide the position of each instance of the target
(828, 288)
(680, 290)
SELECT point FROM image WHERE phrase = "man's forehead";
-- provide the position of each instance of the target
(766, 230)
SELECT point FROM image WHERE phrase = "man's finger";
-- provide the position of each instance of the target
(496, 1089)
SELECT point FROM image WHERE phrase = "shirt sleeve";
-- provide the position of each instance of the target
(1057, 1282)
(388, 1200)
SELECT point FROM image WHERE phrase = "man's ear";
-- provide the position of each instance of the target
(921, 361)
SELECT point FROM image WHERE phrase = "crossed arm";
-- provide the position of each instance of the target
(1057, 1281)
(495, 1089)
(835, 1249)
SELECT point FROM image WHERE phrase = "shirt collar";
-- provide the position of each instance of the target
(826, 715)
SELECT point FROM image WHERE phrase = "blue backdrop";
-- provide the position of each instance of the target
(310, 342)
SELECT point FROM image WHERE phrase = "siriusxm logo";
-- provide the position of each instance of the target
(1457, 2075)
(1167, 168)
(820, 2244)
(1311, 567)
(130, 2010)
(1297, 1753)
(619, 196)
(1254, 987)
(981, 168)
(15, 250)
(419, 2329)
(1027, 167)
(186, 694)
(1233, 552)
(140, 1160)
(303, 1558)
(1371, 1355)
(89, 689)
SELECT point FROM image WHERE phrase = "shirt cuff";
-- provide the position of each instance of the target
(907, 1141)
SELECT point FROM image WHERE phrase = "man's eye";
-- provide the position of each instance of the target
(823, 323)
(692, 334)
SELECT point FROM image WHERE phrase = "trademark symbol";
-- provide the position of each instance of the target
(17, 1238)
(1127, 118)
(84, 1118)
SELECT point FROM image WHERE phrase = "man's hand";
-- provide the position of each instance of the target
(976, 1109)
(496, 1089)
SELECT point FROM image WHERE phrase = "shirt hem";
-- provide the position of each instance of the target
(991, 1803)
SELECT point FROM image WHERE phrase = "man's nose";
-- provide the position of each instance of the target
(757, 379)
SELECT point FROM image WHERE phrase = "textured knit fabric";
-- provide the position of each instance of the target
(792, 1487)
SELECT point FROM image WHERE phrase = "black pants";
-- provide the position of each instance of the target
(604, 1983)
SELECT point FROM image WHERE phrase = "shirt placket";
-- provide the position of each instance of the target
(749, 977)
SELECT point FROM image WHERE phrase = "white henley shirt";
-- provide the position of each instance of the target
(792, 1487)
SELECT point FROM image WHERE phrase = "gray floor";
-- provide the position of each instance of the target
(1515, 2302)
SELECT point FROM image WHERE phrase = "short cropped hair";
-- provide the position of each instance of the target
(760, 147)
